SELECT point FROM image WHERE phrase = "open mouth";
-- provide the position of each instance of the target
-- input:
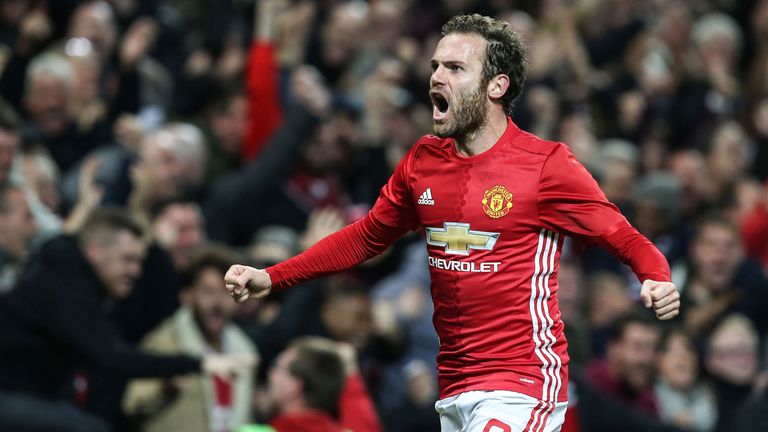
(440, 106)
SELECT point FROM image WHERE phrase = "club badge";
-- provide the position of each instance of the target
(497, 201)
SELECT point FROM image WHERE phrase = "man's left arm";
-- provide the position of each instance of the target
(570, 201)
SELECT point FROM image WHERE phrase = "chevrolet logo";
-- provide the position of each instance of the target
(458, 239)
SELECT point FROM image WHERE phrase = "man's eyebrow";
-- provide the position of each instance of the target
(434, 62)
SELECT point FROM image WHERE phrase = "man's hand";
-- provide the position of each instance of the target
(245, 282)
(662, 297)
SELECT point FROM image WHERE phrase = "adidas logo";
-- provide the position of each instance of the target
(426, 198)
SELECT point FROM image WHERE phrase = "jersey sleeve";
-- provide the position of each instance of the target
(265, 113)
(571, 202)
(340, 251)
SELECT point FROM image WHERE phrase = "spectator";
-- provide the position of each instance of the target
(159, 174)
(55, 321)
(47, 96)
(627, 372)
(683, 399)
(618, 169)
(311, 384)
(719, 280)
(731, 362)
(177, 226)
(202, 325)
(727, 158)
(590, 410)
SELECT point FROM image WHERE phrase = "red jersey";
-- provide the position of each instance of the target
(494, 225)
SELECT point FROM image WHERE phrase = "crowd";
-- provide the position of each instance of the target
(146, 145)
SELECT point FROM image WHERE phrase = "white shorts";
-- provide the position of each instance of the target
(499, 411)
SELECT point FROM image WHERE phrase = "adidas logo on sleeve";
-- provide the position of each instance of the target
(426, 198)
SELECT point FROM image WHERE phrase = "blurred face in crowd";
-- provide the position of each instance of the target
(691, 171)
(618, 179)
(117, 260)
(9, 143)
(459, 99)
(230, 124)
(324, 150)
(162, 165)
(675, 25)
(728, 159)
(17, 226)
(40, 173)
(213, 308)
(678, 366)
(348, 318)
(716, 254)
(344, 32)
(179, 230)
(47, 100)
(733, 355)
(95, 21)
(86, 69)
(632, 357)
(283, 385)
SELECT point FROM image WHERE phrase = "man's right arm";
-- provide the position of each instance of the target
(392, 216)
(339, 251)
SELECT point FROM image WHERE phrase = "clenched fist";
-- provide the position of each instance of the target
(245, 282)
(662, 297)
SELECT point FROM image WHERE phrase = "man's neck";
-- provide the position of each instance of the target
(485, 136)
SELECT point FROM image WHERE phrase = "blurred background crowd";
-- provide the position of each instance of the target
(245, 131)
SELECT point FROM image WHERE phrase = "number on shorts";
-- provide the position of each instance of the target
(502, 427)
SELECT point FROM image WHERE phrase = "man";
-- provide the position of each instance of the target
(732, 363)
(177, 226)
(204, 324)
(718, 280)
(495, 203)
(313, 382)
(55, 322)
(627, 372)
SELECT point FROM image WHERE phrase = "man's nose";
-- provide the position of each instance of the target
(436, 78)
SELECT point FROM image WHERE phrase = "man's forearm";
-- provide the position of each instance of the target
(633, 249)
(339, 251)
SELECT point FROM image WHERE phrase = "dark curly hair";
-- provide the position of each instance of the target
(504, 54)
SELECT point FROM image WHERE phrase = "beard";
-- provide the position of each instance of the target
(469, 114)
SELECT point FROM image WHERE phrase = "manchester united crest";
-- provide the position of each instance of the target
(497, 201)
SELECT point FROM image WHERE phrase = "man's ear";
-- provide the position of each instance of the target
(498, 86)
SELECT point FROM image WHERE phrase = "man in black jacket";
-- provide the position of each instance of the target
(56, 321)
